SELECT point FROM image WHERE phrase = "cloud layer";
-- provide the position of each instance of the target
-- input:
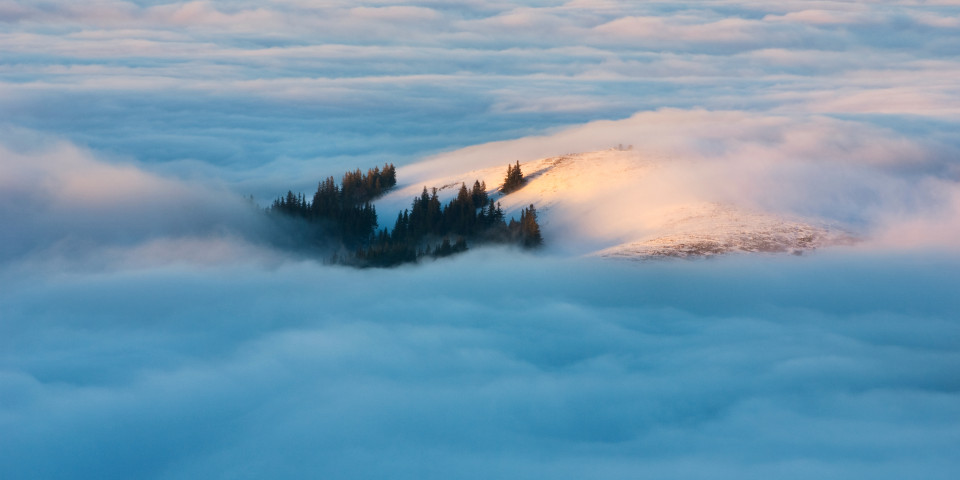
(61, 203)
(265, 93)
(492, 365)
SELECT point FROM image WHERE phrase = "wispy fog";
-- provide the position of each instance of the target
(894, 190)
(495, 365)
(65, 207)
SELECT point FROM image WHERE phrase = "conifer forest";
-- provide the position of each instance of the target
(345, 220)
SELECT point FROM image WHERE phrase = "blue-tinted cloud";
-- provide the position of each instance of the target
(491, 365)
(146, 330)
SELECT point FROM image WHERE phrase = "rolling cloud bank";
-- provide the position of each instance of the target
(149, 329)
(492, 364)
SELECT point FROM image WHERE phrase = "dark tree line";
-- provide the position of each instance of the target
(358, 187)
(426, 229)
(343, 210)
(514, 179)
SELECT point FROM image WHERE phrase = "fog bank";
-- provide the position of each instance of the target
(492, 364)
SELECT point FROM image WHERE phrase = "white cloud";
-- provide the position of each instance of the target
(821, 17)
(661, 30)
(66, 208)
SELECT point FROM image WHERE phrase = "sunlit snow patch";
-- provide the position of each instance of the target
(623, 203)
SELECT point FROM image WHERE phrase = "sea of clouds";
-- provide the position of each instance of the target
(492, 365)
(150, 328)
(270, 95)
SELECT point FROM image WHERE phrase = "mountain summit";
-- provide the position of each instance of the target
(621, 203)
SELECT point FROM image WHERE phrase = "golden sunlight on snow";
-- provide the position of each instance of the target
(624, 203)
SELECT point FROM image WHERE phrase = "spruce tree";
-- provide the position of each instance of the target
(479, 194)
(513, 180)
(530, 229)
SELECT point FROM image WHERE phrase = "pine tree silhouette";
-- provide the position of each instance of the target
(530, 229)
(345, 215)
(514, 180)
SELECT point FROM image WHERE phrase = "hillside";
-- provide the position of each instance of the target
(624, 204)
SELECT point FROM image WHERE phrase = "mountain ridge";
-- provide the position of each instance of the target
(625, 204)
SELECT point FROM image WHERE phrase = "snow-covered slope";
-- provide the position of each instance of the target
(625, 204)
(710, 228)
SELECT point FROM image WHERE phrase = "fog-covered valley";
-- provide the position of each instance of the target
(750, 215)
(492, 364)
